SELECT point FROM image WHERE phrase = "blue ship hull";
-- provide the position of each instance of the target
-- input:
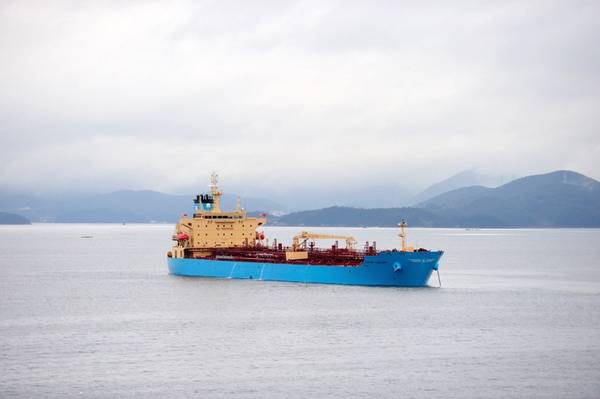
(401, 269)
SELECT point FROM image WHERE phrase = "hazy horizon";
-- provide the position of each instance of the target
(103, 96)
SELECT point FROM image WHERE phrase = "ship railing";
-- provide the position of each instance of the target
(269, 251)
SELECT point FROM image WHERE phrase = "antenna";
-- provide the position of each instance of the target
(214, 190)
(214, 179)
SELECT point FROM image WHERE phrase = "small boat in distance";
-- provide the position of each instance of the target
(216, 243)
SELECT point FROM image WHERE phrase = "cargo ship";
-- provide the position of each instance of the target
(227, 244)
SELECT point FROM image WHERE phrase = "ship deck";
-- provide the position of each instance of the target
(316, 256)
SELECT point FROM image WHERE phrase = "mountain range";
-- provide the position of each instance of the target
(466, 178)
(562, 198)
(557, 199)
(120, 206)
(11, 218)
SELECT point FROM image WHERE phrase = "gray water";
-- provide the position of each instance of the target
(518, 316)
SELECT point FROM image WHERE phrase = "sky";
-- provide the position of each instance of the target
(288, 95)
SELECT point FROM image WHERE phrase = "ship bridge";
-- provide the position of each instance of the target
(210, 227)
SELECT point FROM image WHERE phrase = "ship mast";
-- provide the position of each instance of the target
(214, 190)
(402, 234)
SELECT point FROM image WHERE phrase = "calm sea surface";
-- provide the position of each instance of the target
(518, 316)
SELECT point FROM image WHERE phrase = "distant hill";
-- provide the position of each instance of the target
(116, 207)
(11, 218)
(382, 217)
(558, 199)
(455, 198)
(346, 216)
(466, 178)
(124, 206)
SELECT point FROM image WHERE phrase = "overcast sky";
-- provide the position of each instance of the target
(115, 94)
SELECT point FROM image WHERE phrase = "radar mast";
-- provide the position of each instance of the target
(214, 190)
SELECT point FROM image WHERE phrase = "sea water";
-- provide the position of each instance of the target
(89, 310)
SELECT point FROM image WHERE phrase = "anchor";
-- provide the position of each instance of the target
(437, 269)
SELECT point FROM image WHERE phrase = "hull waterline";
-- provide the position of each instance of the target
(401, 269)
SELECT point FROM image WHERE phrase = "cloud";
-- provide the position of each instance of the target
(109, 95)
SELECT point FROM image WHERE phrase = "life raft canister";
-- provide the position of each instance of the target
(182, 237)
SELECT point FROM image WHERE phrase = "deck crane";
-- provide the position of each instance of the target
(305, 236)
